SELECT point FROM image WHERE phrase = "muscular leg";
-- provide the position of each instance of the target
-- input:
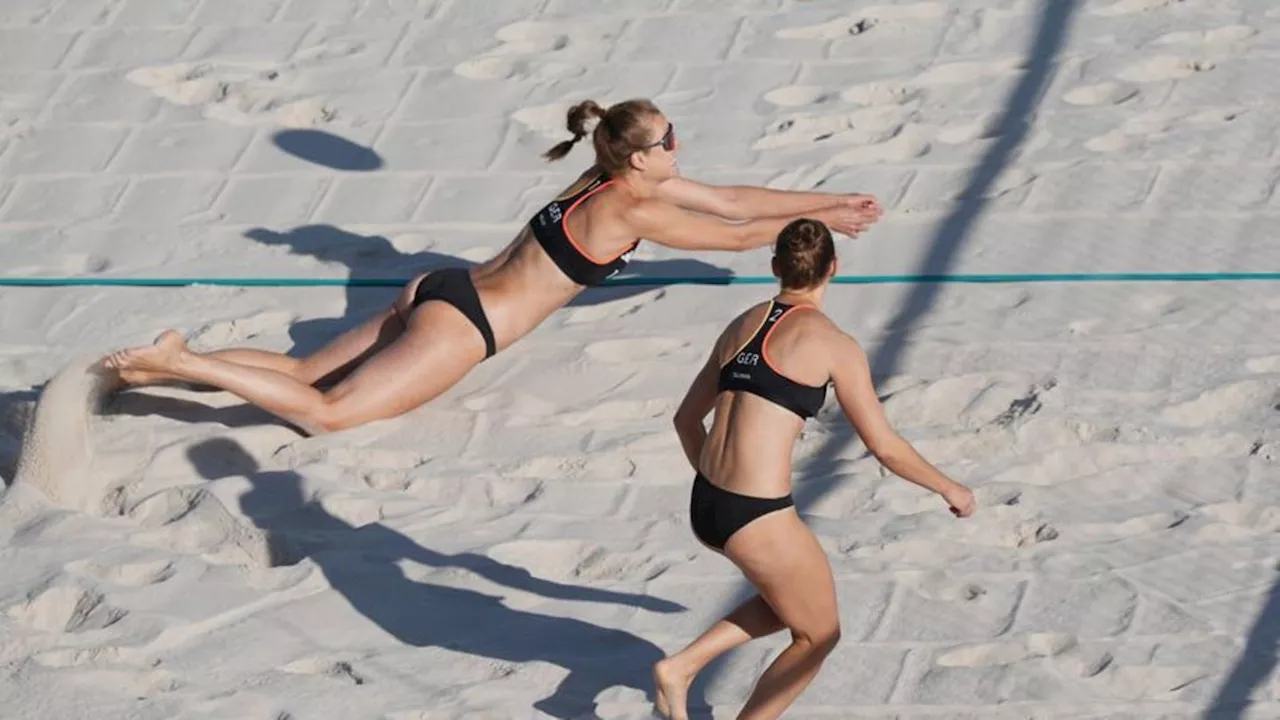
(328, 364)
(673, 676)
(782, 558)
(437, 349)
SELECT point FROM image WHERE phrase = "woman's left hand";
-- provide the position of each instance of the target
(866, 204)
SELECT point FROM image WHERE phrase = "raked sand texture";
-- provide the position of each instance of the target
(519, 548)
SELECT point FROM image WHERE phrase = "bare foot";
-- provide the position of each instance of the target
(148, 364)
(672, 686)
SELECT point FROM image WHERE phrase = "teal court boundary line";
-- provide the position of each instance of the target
(994, 278)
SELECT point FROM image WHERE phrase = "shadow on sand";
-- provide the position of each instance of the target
(373, 256)
(813, 481)
(361, 564)
(1254, 667)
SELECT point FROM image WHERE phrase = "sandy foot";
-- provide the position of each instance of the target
(148, 364)
(670, 691)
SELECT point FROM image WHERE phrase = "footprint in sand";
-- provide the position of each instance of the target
(875, 94)
(1156, 683)
(1159, 125)
(903, 92)
(69, 264)
(1104, 93)
(80, 657)
(579, 560)
(353, 510)
(239, 93)
(633, 350)
(546, 120)
(295, 455)
(975, 399)
(1158, 305)
(964, 73)
(1027, 405)
(127, 574)
(167, 506)
(511, 404)
(1021, 534)
(613, 412)
(614, 309)
(943, 587)
(1113, 531)
(1268, 451)
(984, 127)
(869, 126)
(1128, 7)
(1029, 647)
(525, 47)
(797, 96)
(66, 608)
(867, 20)
(1232, 403)
(141, 684)
(231, 332)
(911, 142)
(190, 519)
(596, 467)
(84, 263)
(1244, 516)
(377, 468)
(326, 666)
(1218, 36)
(1080, 663)
(1163, 67)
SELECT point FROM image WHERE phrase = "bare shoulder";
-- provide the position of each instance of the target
(815, 322)
(647, 210)
(836, 343)
(738, 330)
(585, 178)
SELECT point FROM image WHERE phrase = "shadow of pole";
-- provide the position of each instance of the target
(1051, 35)
(1255, 665)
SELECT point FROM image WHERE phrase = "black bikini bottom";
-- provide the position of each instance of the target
(454, 286)
(716, 514)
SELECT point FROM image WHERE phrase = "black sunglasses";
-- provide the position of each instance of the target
(667, 141)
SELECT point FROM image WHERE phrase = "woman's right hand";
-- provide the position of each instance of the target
(848, 220)
(961, 500)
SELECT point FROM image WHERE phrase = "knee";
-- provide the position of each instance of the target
(821, 639)
(327, 417)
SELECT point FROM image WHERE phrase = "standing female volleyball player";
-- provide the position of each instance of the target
(767, 374)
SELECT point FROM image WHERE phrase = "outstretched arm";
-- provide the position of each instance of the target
(747, 202)
(670, 225)
(857, 397)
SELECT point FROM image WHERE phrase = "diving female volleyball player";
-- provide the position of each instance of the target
(446, 322)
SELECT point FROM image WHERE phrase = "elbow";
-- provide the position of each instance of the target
(737, 212)
(686, 421)
(733, 207)
(746, 237)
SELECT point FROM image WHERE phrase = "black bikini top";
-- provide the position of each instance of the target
(750, 371)
(549, 228)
